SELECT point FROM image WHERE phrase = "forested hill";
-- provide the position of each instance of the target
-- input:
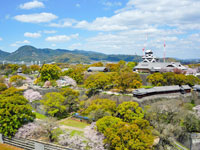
(29, 53)
(3, 54)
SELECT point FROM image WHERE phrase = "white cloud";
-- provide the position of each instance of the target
(36, 18)
(31, 5)
(175, 22)
(32, 35)
(63, 23)
(133, 41)
(111, 4)
(17, 43)
(75, 46)
(14, 45)
(171, 21)
(74, 36)
(101, 24)
(78, 5)
(61, 38)
(58, 38)
(1, 39)
(137, 14)
(23, 42)
(49, 31)
(53, 45)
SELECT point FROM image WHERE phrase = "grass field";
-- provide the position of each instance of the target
(147, 86)
(8, 147)
(75, 132)
(40, 116)
(74, 123)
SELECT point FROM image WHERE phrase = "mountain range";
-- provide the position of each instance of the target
(29, 53)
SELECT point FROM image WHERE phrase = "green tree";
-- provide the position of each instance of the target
(11, 91)
(35, 67)
(170, 78)
(13, 67)
(104, 104)
(50, 72)
(3, 87)
(130, 111)
(107, 122)
(97, 81)
(71, 99)
(25, 69)
(76, 73)
(50, 126)
(192, 80)
(131, 65)
(125, 136)
(14, 112)
(16, 78)
(98, 64)
(54, 104)
(113, 67)
(180, 79)
(2, 79)
(126, 78)
(122, 64)
(191, 123)
(156, 79)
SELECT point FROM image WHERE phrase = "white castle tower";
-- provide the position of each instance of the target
(148, 57)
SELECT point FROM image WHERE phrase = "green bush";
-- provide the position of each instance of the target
(3, 87)
(191, 123)
(14, 113)
(50, 72)
(17, 78)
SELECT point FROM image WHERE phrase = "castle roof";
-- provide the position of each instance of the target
(158, 65)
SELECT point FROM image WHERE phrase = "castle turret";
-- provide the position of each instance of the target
(148, 57)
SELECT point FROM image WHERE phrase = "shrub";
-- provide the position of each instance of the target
(16, 78)
(76, 73)
(11, 91)
(3, 87)
(123, 136)
(105, 105)
(2, 79)
(191, 123)
(97, 81)
(49, 72)
(14, 113)
(126, 78)
(54, 104)
(130, 111)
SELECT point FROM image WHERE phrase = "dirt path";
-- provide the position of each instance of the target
(71, 128)
(64, 119)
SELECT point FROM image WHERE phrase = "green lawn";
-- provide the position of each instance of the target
(75, 132)
(147, 86)
(40, 116)
(74, 123)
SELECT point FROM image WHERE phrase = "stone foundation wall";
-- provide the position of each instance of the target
(195, 141)
(146, 100)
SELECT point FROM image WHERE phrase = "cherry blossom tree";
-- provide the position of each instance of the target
(32, 95)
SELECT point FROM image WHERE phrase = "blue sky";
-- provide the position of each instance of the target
(108, 26)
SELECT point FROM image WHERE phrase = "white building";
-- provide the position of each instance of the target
(150, 64)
